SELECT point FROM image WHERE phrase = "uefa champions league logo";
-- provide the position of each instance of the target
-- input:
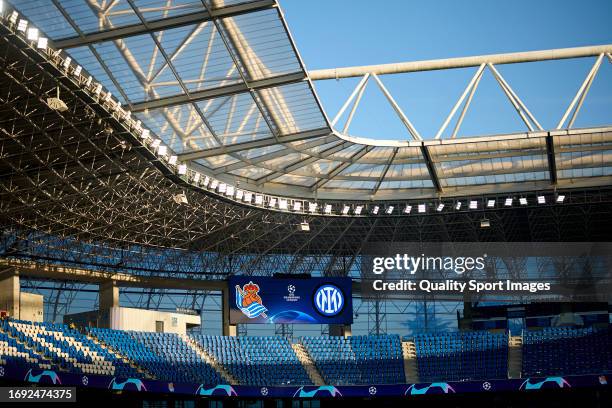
(291, 297)
(329, 300)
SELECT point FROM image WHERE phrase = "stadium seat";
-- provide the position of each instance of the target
(256, 360)
(357, 359)
(462, 356)
(566, 350)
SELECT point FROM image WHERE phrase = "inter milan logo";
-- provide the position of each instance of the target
(329, 300)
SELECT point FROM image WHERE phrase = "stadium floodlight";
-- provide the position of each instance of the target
(32, 34)
(422, 208)
(162, 150)
(390, 209)
(375, 210)
(213, 184)
(490, 203)
(230, 191)
(345, 209)
(1, 6)
(272, 202)
(473, 204)
(312, 207)
(77, 72)
(206, 181)
(98, 89)
(66, 64)
(304, 226)
(43, 42)
(239, 194)
(13, 17)
(327, 209)
(248, 197)
(541, 200)
(407, 209)
(222, 188)
(23, 24)
(485, 223)
(560, 198)
(358, 210)
(458, 205)
(180, 198)
(297, 206)
(172, 160)
(128, 114)
(145, 133)
(196, 177)
(56, 103)
(440, 207)
(182, 168)
(283, 204)
(523, 201)
(107, 97)
(508, 202)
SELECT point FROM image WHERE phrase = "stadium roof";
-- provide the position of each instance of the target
(222, 84)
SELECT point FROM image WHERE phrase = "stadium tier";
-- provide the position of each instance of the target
(462, 356)
(564, 351)
(358, 359)
(272, 360)
(163, 355)
(65, 348)
(256, 360)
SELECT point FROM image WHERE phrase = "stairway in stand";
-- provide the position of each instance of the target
(227, 376)
(515, 356)
(306, 360)
(119, 356)
(410, 365)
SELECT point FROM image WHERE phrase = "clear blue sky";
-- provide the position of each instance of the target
(336, 33)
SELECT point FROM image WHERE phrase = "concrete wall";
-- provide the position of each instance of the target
(9, 294)
(31, 307)
(19, 305)
(124, 318)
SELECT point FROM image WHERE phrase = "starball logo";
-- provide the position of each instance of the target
(290, 296)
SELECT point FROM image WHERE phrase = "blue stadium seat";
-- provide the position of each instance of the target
(254, 360)
(462, 356)
(357, 359)
(566, 350)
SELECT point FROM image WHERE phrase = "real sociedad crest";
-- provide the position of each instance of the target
(249, 302)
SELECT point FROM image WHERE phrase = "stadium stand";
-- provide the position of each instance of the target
(565, 350)
(254, 360)
(67, 348)
(14, 352)
(165, 355)
(462, 356)
(357, 359)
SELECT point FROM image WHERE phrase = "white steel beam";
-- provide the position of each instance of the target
(461, 62)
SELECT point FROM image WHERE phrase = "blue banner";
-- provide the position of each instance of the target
(305, 301)
(27, 374)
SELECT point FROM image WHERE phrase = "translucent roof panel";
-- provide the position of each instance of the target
(229, 95)
(198, 55)
(261, 42)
